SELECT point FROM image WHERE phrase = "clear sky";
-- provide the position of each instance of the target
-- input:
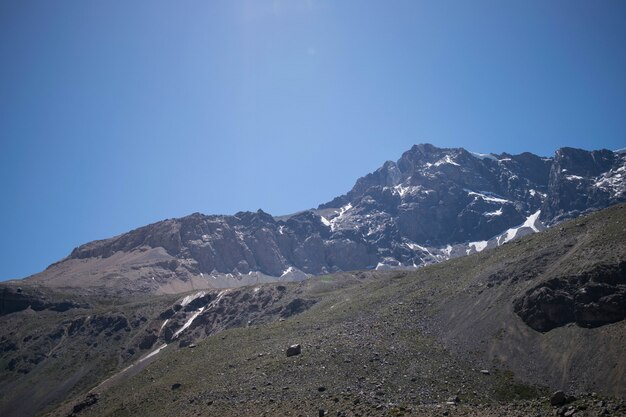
(115, 114)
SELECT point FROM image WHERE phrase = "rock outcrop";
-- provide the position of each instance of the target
(591, 299)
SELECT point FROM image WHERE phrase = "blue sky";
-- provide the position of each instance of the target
(115, 114)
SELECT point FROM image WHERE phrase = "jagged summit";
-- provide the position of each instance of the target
(429, 205)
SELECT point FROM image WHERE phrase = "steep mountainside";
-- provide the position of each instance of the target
(432, 204)
(487, 334)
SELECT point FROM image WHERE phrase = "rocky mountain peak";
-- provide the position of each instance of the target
(430, 205)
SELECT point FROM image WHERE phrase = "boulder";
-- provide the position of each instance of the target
(557, 399)
(294, 350)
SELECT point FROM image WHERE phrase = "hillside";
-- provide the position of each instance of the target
(373, 342)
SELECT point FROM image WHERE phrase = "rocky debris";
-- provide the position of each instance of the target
(591, 299)
(294, 350)
(453, 400)
(89, 400)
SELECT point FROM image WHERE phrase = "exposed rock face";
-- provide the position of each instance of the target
(430, 205)
(581, 180)
(16, 299)
(589, 300)
(202, 314)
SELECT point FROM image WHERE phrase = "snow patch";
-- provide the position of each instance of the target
(151, 354)
(287, 271)
(192, 297)
(342, 211)
(494, 213)
(416, 247)
(484, 156)
(613, 181)
(487, 196)
(188, 322)
(532, 222)
(446, 160)
(478, 246)
(325, 221)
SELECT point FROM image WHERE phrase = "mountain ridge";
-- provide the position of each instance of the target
(430, 205)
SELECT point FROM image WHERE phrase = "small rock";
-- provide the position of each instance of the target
(454, 399)
(90, 400)
(484, 371)
(176, 386)
(294, 350)
(191, 346)
(558, 398)
(321, 413)
(321, 389)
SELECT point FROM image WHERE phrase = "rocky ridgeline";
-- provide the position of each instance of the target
(431, 205)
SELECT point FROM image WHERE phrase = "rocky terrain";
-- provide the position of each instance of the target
(431, 205)
(493, 333)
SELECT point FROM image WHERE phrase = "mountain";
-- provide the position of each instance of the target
(490, 334)
(431, 205)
